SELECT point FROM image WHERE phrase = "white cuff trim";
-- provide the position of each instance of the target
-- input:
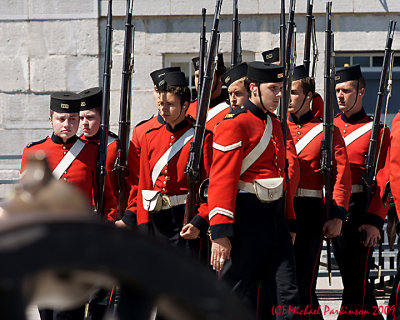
(227, 148)
(221, 211)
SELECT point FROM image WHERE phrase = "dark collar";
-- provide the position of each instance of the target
(255, 110)
(181, 125)
(160, 119)
(58, 140)
(93, 138)
(217, 101)
(307, 117)
(354, 117)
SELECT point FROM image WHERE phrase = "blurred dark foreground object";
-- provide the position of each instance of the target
(55, 253)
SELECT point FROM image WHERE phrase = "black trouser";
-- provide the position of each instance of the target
(76, 314)
(307, 248)
(394, 301)
(354, 260)
(262, 252)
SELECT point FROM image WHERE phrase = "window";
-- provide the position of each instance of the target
(185, 62)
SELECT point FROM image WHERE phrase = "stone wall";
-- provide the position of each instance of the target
(51, 45)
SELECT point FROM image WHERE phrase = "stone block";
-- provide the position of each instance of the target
(144, 65)
(14, 37)
(14, 10)
(48, 73)
(143, 106)
(118, 8)
(14, 74)
(157, 7)
(81, 72)
(387, 6)
(186, 8)
(14, 141)
(59, 9)
(28, 111)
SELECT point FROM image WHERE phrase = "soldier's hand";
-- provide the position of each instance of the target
(121, 224)
(220, 251)
(332, 228)
(372, 235)
(391, 231)
(293, 235)
(190, 232)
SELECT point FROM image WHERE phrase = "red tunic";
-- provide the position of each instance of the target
(172, 179)
(82, 171)
(310, 162)
(395, 162)
(138, 133)
(219, 104)
(317, 106)
(234, 138)
(111, 187)
(357, 152)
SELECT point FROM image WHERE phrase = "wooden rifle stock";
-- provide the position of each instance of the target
(327, 138)
(105, 113)
(203, 102)
(121, 163)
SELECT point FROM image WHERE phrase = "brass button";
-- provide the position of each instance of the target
(344, 131)
(65, 179)
(346, 125)
(172, 137)
(64, 147)
(298, 139)
(170, 143)
(164, 182)
(279, 169)
(299, 126)
(166, 171)
(298, 132)
(65, 172)
(274, 142)
(277, 149)
(276, 163)
(163, 189)
(64, 153)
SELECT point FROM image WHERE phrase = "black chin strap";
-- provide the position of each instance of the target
(358, 87)
(259, 95)
(304, 101)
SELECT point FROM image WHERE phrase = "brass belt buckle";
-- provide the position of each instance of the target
(165, 201)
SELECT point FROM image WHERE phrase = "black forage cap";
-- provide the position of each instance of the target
(172, 79)
(65, 102)
(258, 71)
(348, 74)
(196, 62)
(299, 72)
(237, 72)
(271, 56)
(156, 74)
(91, 98)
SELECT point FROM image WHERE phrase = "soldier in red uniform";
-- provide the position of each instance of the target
(162, 181)
(394, 176)
(70, 159)
(218, 106)
(235, 79)
(308, 201)
(90, 119)
(129, 218)
(354, 257)
(245, 199)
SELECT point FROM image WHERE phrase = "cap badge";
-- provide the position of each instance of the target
(83, 103)
(227, 79)
(269, 56)
(337, 78)
(279, 75)
(64, 106)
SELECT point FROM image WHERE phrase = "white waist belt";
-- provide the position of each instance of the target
(308, 193)
(172, 201)
(357, 188)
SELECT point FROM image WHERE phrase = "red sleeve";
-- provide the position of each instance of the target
(318, 106)
(294, 176)
(395, 162)
(111, 186)
(342, 174)
(145, 183)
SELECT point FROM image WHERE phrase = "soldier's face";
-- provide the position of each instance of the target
(65, 125)
(297, 98)
(90, 122)
(169, 107)
(156, 95)
(270, 94)
(237, 93)
(346, 95)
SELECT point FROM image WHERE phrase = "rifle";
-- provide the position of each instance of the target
(327, 138)
(288, 63)
(372, 160)
(196, 147)
(105, 113)
(236, 57)
(203, 48)
(308, 34)
(121, 162)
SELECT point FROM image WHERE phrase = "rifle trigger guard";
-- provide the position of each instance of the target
(203, 190)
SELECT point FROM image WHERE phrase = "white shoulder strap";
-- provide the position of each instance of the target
(258, 150)
(68, 159)
(168, 155)
(216, 110)
(358, 133)
(308, 137)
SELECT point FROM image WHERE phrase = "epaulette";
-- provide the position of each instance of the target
(338, 115)
(112, 134)
(194, 100)
(232, 114)
(321, 119)
(153, 129)
(371, 118)
(193, 120)
(34, 143)
(144, 121)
